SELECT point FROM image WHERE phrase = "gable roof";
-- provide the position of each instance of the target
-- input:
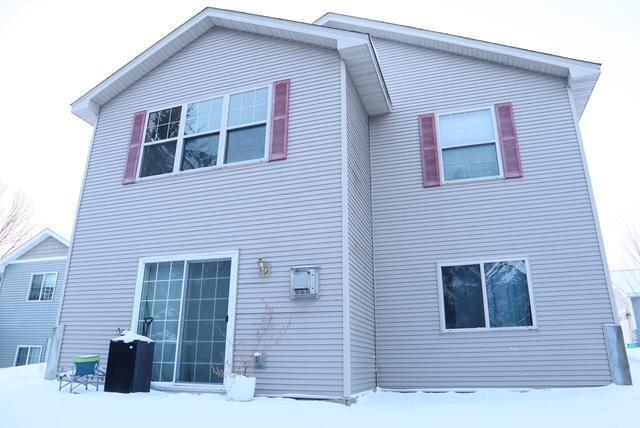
(581, 75)
(27, 246)
(354, 48)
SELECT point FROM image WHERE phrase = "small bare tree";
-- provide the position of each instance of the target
(633, 246)
(267, 336)
(15, 219)
(632, 278)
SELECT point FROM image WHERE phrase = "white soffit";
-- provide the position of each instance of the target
(354, 48)
(581, 75)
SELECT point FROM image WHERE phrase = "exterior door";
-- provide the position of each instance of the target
(189, 303)
(206, 310)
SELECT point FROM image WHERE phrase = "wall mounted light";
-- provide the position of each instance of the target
(263, 267)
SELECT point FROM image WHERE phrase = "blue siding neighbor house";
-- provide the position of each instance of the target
(422, 201)
(31, 279)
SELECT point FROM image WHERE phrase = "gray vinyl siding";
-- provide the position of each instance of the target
(360, 247)
(546, 216)
(50, 247)
(22, 322)
(287, 211)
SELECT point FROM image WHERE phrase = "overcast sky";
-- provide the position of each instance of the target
(54, 51)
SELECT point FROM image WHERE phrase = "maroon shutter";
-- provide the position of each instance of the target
(280, 121)
(508, 141)
(429, 150)
(131, 168)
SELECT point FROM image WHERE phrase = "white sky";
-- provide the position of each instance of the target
(52, 52)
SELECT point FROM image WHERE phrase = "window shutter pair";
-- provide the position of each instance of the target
(279, 132)
(511, 164)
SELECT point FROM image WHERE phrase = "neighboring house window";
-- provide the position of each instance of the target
(468, 145)
(28, 355)
(42, 287)
(486, 295)
(221, 130)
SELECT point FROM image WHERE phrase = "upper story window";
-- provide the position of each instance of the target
(42, 287)
(221, 130)
(160, 141)
(486, 295)
(468, 145)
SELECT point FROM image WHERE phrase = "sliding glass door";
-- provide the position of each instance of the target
(205, 322)
(189, 304)
(161, 300)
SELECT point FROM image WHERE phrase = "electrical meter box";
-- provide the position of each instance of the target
(304, 283)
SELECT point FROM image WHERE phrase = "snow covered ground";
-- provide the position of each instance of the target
(28, 401)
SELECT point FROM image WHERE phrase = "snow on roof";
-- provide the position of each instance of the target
(130, 336)
(627, 281)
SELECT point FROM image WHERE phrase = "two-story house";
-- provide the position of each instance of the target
(421, 199)
(31, 278)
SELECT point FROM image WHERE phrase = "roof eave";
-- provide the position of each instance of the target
(365, 72)
(86, 110)
(581, 90)
(350, 45)
(583, 73)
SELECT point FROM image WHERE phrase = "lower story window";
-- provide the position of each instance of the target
(188, 302)
(486, 295)
(28, 355)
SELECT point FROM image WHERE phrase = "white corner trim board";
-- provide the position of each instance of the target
(346, 310)
(594, 209)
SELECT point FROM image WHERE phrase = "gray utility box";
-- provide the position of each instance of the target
(304, 283)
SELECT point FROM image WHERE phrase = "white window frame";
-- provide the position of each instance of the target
(222, 132)
(29, 348)
(496, 141)
(55, 285)
(233, 255)
(487, 327)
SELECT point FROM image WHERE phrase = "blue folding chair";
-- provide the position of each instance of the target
(86, 372)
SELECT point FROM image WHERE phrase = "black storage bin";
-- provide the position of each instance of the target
(129, 366)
